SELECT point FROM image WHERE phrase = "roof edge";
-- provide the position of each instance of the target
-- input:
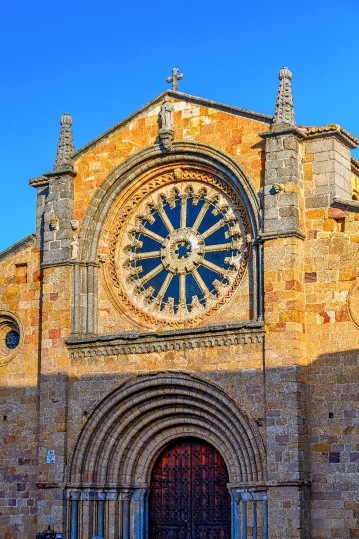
(17, 247)
(355, 165)
(179, 95)
(313, 131)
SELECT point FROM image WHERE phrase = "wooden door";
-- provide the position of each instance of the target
(189, 497)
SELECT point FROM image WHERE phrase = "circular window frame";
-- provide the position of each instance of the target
(126, 209)
(9, 322)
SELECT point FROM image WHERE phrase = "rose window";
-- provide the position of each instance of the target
(182, 251)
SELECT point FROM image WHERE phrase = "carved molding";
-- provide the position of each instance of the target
(197, 184)
(142, 168)
(129, 426)
(17, 247)
(132, 342)
(9, 322)
(353, 303)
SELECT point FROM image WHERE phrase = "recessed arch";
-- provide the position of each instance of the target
(149, 159)
(128, 429)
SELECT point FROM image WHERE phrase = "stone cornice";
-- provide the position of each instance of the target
(265, 118)
(133, 342)
(17, 247)
(286, 234)
(330, 130)
(53, 174)
(355, 165)
(69, 262)
(352, 204)
(41, 181)
(312, 132)
(277, 130)
(296, 483)
(221, 106)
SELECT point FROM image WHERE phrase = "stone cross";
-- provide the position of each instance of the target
(175, 78)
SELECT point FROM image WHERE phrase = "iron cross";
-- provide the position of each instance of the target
(175, 78)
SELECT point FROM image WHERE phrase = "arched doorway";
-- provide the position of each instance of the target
(109, 478)
(189, 498)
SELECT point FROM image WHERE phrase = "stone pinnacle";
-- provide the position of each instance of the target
(284, 109)
(65, 147)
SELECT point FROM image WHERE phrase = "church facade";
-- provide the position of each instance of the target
(179, 338)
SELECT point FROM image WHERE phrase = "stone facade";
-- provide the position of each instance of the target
(264, 366)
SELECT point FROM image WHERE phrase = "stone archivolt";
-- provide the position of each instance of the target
(128, 429)
(180, 250)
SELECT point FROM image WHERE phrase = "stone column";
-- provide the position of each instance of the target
(58, 207)
(284, 316)
(55, 230)
(125, 497)
(140, 512)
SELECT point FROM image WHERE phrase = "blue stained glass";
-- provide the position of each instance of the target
(209, 220)
(178, 256)
(173, 213)
(148, 244)
(158, 226)
(192, 289)
(217, 257)
(147, 265)
(183, 250)
(12, 339)
(217, 237)
(157, 281)
(173, 289)
(193, 211)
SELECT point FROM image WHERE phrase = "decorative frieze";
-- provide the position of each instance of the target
(132, 342)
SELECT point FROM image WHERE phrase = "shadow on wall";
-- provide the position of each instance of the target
(316, 404)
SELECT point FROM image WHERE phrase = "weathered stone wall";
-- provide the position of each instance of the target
(331, 269)
(20, 281)
(298, 385)
(234, 134)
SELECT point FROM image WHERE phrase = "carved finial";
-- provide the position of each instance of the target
(284, 109)
(65, 147)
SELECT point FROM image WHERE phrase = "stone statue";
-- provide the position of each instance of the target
(74, 248)
(166, 133)
(167, 114)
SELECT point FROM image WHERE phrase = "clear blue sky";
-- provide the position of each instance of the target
(101, 60)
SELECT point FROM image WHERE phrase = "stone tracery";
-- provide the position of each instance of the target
(182, 251)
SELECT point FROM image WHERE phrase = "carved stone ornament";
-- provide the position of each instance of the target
(65, 147)
(74, 224)
(11, 337)
(353, 302)
(284, 108)
(54, 223)
(74, 248)
(278, 188)
(180, 252)
(166, 133)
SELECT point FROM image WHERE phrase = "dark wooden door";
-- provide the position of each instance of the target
(189, 497)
